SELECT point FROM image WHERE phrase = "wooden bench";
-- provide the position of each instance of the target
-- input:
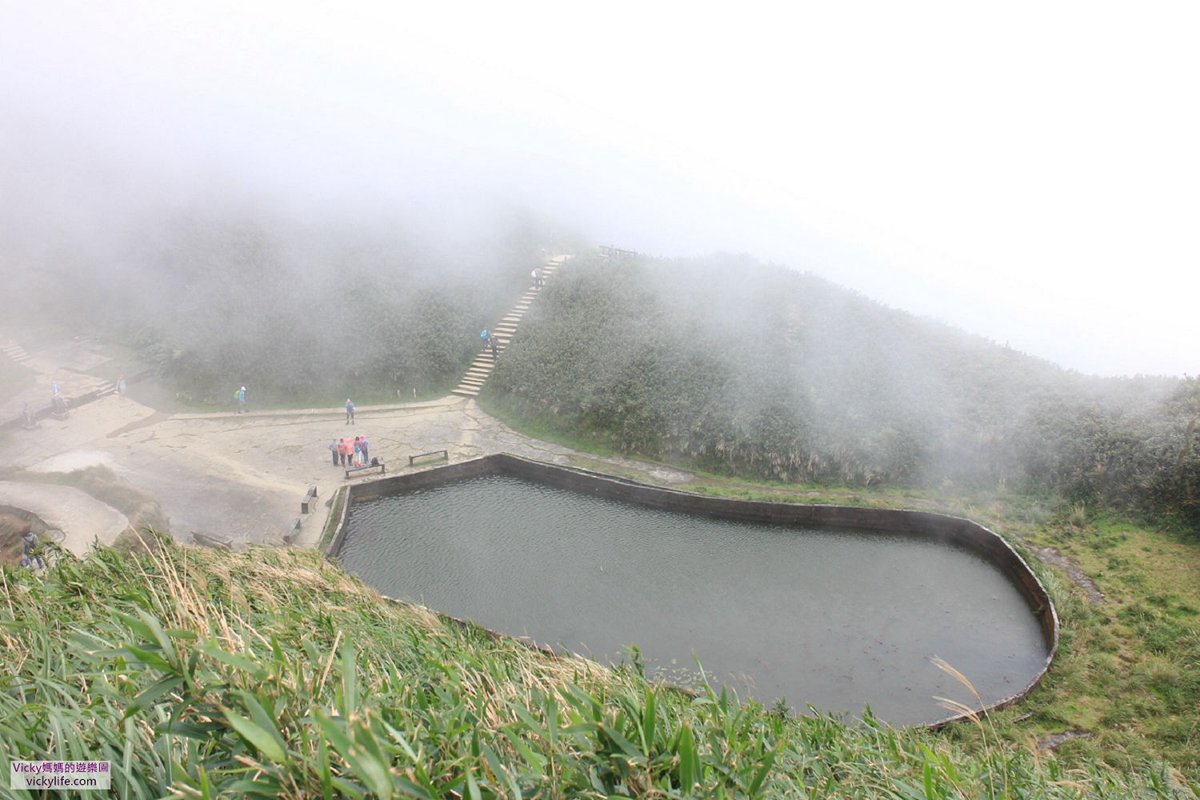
(353, 471)
(310, 499)
(445, 454)
(218, 542)
(293, 531)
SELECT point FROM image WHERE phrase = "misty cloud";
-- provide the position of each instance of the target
(1042, 201)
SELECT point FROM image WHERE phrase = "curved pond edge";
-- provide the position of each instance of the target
(956, 531)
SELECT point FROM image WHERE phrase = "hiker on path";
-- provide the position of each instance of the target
(358, 462)
(343, 451)
(488, 341)
(366, 454)
(31, 551)
(240, 394)
(121, 387)
(333, 451)
(349, 411)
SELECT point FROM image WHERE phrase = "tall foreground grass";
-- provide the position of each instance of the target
(273, 674)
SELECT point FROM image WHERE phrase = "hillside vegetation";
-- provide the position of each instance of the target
(215, 298)
(274, 674)
(740, 368)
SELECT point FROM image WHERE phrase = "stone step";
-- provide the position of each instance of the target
(15, 352)
(484, 364)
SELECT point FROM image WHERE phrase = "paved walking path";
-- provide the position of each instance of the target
(239, 477)
(242, 476)
(79, 518)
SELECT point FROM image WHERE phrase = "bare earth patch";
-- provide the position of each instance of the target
(1051, 556)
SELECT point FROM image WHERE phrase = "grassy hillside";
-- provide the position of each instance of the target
(739, 368)
(205, 674)
(216, 297)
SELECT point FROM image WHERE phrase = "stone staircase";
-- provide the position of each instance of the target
(14, 351)
(481, 368)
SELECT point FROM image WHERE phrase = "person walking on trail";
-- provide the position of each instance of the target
(240, 394)
(349, 411)
(366, 454)
(358, 462)
(333, 451)
(31, 550)
(343, 451)
(489, 342)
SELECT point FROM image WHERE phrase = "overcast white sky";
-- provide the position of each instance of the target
(1026, 171)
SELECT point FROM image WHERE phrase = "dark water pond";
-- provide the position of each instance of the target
(837, 620)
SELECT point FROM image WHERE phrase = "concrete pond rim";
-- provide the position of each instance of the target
(957, 531)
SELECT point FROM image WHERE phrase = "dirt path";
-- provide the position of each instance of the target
(1051, 556)
(235, 476)
(79, 517)
(242, 476)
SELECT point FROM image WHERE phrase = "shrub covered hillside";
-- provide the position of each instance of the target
(298, 311)
(738, 367)
(274, 674)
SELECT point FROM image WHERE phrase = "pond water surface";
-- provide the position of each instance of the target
(834, 619)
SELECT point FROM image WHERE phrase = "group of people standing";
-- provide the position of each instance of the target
(347, 452)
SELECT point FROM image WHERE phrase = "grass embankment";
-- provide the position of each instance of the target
(201, 673)
(1125, 686)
